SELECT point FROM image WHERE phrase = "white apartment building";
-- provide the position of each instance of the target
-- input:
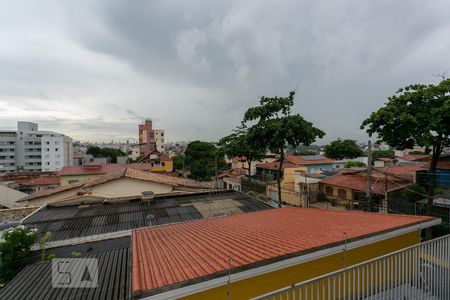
(34, 150)
(159, 139)
(7, 151)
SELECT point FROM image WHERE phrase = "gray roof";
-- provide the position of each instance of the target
(35, 282)
(89, 219)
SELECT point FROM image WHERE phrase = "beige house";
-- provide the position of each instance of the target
(9, 196)
(127, 183)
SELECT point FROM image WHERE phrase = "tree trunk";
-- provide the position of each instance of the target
(280, 167)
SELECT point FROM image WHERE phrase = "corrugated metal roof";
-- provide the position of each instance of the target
(72, 221)
(177, 255)
(35, 282)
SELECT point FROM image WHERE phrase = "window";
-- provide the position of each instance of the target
(342, 194)
(56, 149)
(163, 164)
(48, 143)
(329, 191)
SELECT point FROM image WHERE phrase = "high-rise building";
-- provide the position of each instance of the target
(150, 139)
(31, 150)
(159, 139)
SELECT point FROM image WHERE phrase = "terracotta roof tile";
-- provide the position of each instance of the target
(359, 183)
(296, 160)
(175, 255)
(53, 180)
(443, 165)
(127, 172)
(415, 157)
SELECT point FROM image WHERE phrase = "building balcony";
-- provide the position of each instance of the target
(418, 272)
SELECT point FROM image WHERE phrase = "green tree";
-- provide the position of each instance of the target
(178, 162)
(105, 152)
(354, 164)
(273, 127)
(341, 149)
(382, 153)
(304, 152)
(239, 144)
(203, 159)
(14, 250)
(416, 115)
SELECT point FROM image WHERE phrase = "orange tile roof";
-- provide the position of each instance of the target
(415, 157)
(359, 183)
(53, 180)
(296, 160)
(176, 255)
(443, 165)
(404, 172)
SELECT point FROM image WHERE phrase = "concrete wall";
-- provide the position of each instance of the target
(65, 179)
(124, 187)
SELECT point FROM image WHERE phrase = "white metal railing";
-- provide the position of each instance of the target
(417, 272)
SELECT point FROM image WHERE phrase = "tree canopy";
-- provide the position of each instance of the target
(105, 152)
(239, 144)
(341, 149)
(201, 158)
(416, 115)
(382, 153)
(272, 126)
(178, 163)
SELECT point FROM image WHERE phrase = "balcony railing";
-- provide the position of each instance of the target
(418, 272)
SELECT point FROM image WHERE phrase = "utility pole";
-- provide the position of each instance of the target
(369, 173)
(215, 178)
(306, 192)
(385, 202)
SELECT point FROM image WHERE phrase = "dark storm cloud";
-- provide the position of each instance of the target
(195, 66)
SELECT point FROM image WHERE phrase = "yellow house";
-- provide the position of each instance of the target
(158, 161)
(244, 256)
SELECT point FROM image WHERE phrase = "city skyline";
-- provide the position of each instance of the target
(196, 75)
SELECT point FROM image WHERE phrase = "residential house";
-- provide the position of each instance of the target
(230, 179)
(293, 166)
(41, 183)
(306, 164)
(241, 162)
(243, 256)
(124, 183)
(385, 162)
(349, 188)
(9, 196)
(411, 159)
(158, 161)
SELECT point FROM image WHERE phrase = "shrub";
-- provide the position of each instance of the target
(14, 249)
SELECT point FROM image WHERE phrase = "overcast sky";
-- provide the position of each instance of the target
(95, 69)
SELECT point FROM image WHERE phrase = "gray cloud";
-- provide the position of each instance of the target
(95, 69)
